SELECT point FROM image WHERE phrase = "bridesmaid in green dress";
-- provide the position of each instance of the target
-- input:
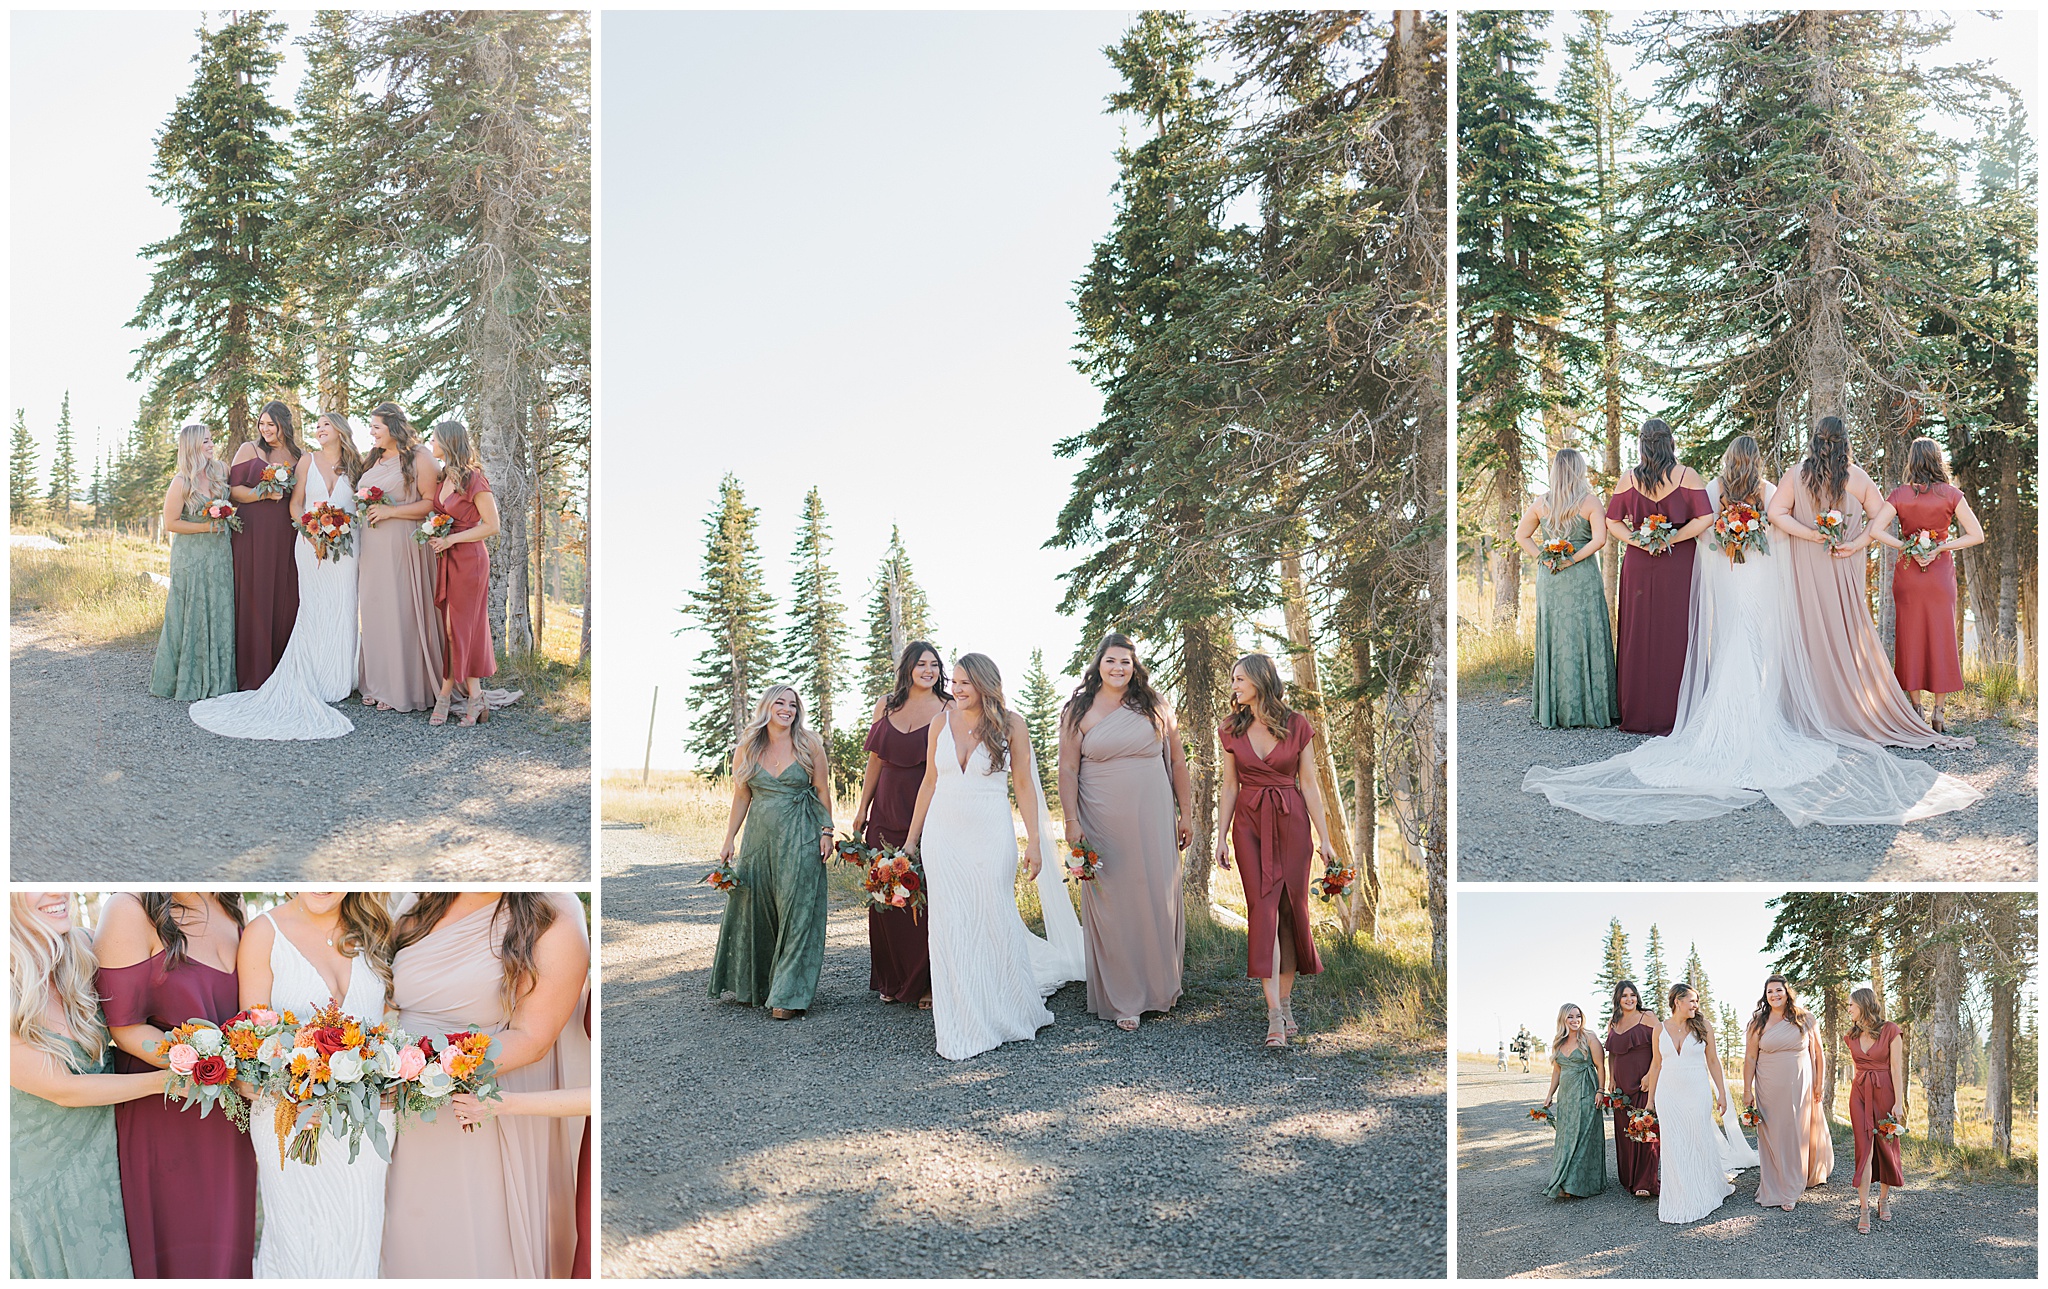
(1574, 681)
(771, 941)
(1579, 1159)
(195, 653)
(65, 1218)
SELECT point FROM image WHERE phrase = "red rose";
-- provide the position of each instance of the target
(211, 1071)
(234, 1020)
(328, 1040)
(426, 1045)
(455, 1039)
(910, 881)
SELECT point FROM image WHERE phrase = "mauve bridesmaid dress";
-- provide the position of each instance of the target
(1656, 610)
(266, 578)
(1628, 1055)
(401, 661)
(1269, 830)
(1133, 927)
(188, 1185)
(1924, 654)
(1872, 1097)
(899, 945)
(1792, 1146)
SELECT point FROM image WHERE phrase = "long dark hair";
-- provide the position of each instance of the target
(287, 436)
(1697, 1022)
(1793, 1011)
(1614, 1000)
(161, 907)
(1272, 698)
(1139, 695)
(1656, 455)
(913, 653)
(460, 460)
(527, 916)
(403, 436)
(1825, 471)
(1924, 466)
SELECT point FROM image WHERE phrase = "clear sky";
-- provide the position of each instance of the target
(839, 250)
(1521, 955)
(89, 93)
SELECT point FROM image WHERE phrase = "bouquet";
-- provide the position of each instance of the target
(1083, 862)
(1829, 523)
(721, 878)
(1923, 544)
(1655, 534)
(437, 1066)
(1540, 1114)
(1557, 556)
(276, 482)
(368, 497)
(1737, 529)
(330, 529)
(895, 881)
(436, 524)
(203, 1065)
(223, 513)
(1642, 1126)
(333, 1077)
(1890, 1125)
(1613, 1100)
(1334, 882)
(1751, 1117)
(850, 850)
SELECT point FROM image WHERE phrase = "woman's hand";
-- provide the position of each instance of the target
(860, 822)
(1071, 829)
(440, 545)
(1223, 851)
(376, 513)
(470, 1111)
(725, 851)
(1329, 855)
(1183, 831)
(825, 846)
(1032, 863)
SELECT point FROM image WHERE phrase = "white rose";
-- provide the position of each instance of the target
(346, 1067)
(435, 1081)
(206, 1042)
(272, 1050)
(386, 1061)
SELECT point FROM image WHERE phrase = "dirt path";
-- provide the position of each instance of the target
(111, 783)
(1508, 835)
(1507, 1226)
(842, 1144)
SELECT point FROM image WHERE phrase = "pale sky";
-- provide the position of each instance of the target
(839, 249)
(90, 91)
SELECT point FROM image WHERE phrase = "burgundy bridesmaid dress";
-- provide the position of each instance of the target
(462, 584)
(266, 580)
(1656, 611)
(1270, 832)
(1629, 1053)
(1925, 655)
(899, 945)
(1872, 1097)
(188, 1185)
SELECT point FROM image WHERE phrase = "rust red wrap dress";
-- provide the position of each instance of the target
(1872, 1097)
(1925, 655)
(1270, 832)
(462, 584)
(899, 945)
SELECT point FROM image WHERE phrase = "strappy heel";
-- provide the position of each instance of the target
(1862, 1218)
(440, 716)
(1287, 1015)
(1276, 1028)
(477, 711)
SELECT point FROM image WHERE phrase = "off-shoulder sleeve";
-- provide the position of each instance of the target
(124, 993)
(874, 739)
(1617, 507)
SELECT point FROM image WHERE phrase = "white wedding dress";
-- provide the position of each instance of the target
(319, 662)
(321, 1221)
(1694, 1157)
(990, 975)
(1748, 727)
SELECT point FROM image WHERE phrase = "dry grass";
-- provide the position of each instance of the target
(97, 587)
(1971, 1158)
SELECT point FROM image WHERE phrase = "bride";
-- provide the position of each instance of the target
(1749, 725)
(990, 974)
(1684, 1086)
(319, 662)
(323, 1220)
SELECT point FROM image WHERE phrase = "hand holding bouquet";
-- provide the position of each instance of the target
(1541, 1114)
(721, 878)
(437, 1066)
(851, 850)
(436, 524)
(276, 482)
(1752, 1116)
(1557, 556)
(330, 529)
(223, 513)
(1923, 546)
(366, 498)
(203, 1065)
(895, 881)
(333, 1078)
(1738, 529)
(1082, 863)
(1891, 1125)
(1830, 524)
(1335, 881)
(1615, 1099)
(1654, 534)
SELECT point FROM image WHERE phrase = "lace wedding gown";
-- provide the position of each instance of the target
(319, 662)
(1749, 726)
(1694, 1157)
(320, 1221)
(990, 975)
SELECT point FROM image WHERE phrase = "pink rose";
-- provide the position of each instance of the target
(183, 1056)
(263, 1017)
(449, 1055)
(411, 1061)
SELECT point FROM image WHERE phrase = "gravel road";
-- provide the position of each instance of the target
(1507, 1226)
(111, 783)
(1508, 835)
(842, 1144)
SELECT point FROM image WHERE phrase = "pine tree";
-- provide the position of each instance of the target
(898, 613)
(813, 653)
(213, 306)
(1819, 940)
(21, 470)
(98, 496)
(735, 611)
(63, 466)
(1696, 976)
(1656, 982)
(1040, 705)
(1614, 968)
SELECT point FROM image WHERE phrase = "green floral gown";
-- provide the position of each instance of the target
(771, 941)
(1574, 682)
(65, 1183)
(1579, 1158)
(195, 654)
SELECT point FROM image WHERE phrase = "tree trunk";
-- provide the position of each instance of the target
(1365, 902)
(1831, 1044)
(2002, 984)
(2007, 628)
(1308, 687)
(1944, 1033)
(1825, 358)
(1203, 671)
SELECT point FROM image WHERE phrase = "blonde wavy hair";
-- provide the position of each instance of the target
(205, 477)
(994, 729)
(753, 740)
(46, 965)
(1568, 487)
(1557, 1039)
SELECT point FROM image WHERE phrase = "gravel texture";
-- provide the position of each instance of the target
(1508, 835)
(842, 1144)
(111, 783)
(1507, 1226)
